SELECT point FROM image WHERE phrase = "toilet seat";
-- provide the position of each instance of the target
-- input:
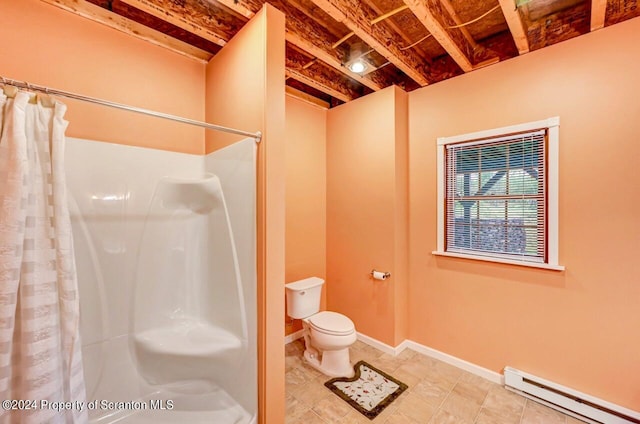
(331, 323)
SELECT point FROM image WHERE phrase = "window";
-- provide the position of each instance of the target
(497, 195)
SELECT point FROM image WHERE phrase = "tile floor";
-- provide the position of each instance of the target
(438, 393)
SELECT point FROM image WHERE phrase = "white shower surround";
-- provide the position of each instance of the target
(111, 189)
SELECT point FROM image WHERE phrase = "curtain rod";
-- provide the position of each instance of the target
(32, 87)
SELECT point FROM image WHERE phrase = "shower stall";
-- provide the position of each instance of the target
(165, 252)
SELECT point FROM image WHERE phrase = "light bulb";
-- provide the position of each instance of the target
(358, 66)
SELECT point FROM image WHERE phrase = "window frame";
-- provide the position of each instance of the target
(552, 127)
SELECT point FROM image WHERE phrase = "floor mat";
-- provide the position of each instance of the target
(369, 391)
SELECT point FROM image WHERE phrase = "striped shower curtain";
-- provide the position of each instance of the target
(40, 359)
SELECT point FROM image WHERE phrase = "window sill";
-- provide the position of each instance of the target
(500, 260)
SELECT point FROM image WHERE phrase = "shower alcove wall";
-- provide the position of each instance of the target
(165, 251)
(188, 321)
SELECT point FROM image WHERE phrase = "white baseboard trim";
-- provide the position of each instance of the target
(293, 336)
(378, 344)
(436, 354)
(485, 373)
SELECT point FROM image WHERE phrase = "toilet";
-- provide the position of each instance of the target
(327, 335)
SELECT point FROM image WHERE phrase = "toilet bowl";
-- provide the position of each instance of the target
(327, 335)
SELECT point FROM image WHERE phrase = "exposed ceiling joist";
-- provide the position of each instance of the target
(330, 59)
(301, 30)
(396, 28)
(422, 11)
(103, 16)
(314, 13)
(307, 98)
(598, 12)
(379, 37)
(305, 79)
(316, 59)
(179, 16)
(237, 8)
(326, 79)
(559, 26)
(516, 26)
(449, 7)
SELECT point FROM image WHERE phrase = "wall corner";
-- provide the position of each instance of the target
(401, 211)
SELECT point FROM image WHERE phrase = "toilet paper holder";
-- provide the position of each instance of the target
(380, 275)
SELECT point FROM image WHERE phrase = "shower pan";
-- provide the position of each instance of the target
(165, 251)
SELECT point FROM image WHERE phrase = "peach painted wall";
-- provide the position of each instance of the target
(400, 277)
(236, 85)
(306, 161)
(245, 90)
(45, 45)
(365, 196)
(580, 327)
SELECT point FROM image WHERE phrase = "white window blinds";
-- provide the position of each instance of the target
(495, 197)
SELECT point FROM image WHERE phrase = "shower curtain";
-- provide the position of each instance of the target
(40, 358)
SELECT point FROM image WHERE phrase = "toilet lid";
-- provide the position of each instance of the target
(332, 323)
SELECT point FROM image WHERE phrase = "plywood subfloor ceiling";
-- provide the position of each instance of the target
(409, 43)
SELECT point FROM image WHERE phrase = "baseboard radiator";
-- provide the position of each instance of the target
(568, 401)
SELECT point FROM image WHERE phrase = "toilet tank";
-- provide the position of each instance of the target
(303, 297)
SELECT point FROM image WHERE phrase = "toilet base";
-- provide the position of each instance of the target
(333, 363)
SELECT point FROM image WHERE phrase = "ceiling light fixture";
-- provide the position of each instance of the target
(358, 66)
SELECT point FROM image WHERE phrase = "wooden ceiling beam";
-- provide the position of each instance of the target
(482, 57)
(423, 12)
(102, 16)
(598, 13)
(516, 26)
(204, 20)
(314, 13)
(559, 26)
(313, 82)
(316, 40)
(620, 10)
(397, 29)
(319, 76)
(357, 17)
(307, 98)
(454, 15)
(237, 8)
